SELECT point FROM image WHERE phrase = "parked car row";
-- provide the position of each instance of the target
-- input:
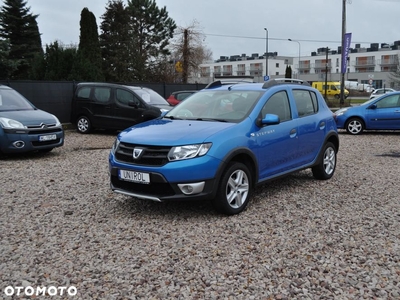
(217, 144)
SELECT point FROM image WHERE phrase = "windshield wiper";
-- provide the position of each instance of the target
(211, 119)
(172, 118)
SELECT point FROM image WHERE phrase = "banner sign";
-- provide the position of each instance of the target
(345, 51)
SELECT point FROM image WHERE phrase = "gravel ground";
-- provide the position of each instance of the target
(299, 238)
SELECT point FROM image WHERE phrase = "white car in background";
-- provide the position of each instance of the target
(379, 92)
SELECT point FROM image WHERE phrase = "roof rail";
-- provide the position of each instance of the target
(231, 81)
(277, 81)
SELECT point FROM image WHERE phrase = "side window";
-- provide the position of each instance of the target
(102, 94)
(306, 102)
(84, 93)
(388, 102)
(278, 104)
(125, 97)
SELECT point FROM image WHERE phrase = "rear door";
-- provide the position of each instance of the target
(311, 129)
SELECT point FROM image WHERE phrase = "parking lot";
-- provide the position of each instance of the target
(299, 238)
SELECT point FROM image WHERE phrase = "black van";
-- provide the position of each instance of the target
(114, 106)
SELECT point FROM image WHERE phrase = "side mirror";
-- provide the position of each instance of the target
(373, 106)
(269, 119)
(133, 104)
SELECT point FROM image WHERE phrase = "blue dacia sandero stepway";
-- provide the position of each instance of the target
(223, 141)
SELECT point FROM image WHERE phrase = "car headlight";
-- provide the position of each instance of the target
(340, 112)
(115, 145)
(188, 151)
(11, 124)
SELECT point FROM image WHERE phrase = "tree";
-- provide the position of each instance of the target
(288, 72)
(19, 27)
(188, 50)
(7, 66)
(114, 43)
(88, 62)
(58, 61)
(150, 30)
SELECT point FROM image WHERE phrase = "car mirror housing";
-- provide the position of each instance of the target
(133, 104)
(270, 119)
(372, 106)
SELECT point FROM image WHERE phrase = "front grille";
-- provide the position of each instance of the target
(157, 189)
(150, 156)
(45, 130)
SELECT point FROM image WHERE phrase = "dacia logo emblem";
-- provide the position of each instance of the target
(137, 152)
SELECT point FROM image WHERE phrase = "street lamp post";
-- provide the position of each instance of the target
(299, 56)
(266, 51)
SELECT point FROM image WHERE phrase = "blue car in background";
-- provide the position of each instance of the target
(25, 128)
(382, 113)
(221, 142)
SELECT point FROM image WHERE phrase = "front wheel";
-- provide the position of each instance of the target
(327, 163)
(354, 126)
(83, 125)
(234, 189)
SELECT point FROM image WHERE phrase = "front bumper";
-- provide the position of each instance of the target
(169, 182)
(25, 140)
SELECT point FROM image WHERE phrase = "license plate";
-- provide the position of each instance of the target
(132, 176)
(49, 137)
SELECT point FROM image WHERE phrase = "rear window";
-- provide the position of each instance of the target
(306, 102)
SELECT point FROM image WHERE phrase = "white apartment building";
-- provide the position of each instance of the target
(372, 65)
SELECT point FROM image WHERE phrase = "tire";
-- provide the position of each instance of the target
(327, 163)
(234, 189)
(83, 125)
(337, 96)
(355, 126)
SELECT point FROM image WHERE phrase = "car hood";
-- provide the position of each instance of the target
(29, 117)
(172, 132)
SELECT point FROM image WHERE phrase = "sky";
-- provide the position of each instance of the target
(237, 27)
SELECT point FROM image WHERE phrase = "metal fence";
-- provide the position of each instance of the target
(55, 96)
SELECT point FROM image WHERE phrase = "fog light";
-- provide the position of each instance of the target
(19, 144)
(192, 188)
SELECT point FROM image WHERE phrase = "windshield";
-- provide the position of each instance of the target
(151, 97)
(368, 102)
(230, 106)
(12, 100)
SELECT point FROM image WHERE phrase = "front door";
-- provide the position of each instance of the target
(276, 145)
(386, 115)
(128, 109)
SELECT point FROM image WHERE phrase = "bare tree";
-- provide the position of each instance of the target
(189, 50)
(395, 76)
